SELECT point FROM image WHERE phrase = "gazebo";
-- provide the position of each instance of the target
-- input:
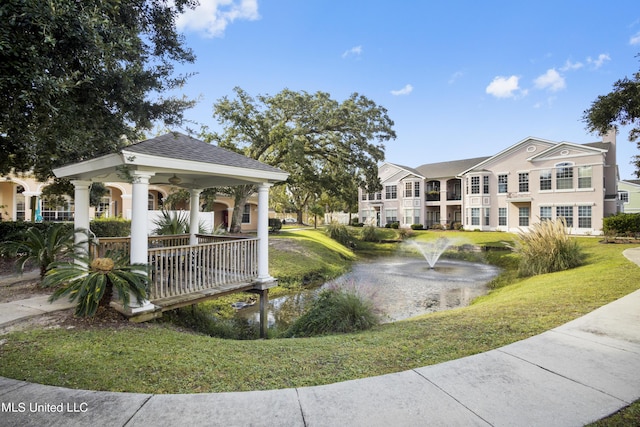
(199, 267)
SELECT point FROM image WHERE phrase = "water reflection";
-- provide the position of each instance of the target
(401, 287)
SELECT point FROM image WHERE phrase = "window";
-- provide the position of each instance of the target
(584, 176)
(57, 209)
(545, 180)
(372, 196)
(475, 216)
(523, 216)
(20, 203)
(502, 216)
(485, 185)
(565, 212)
(103, 210)
(564, 176)
(502, 183)
(408, 189)
(416, 189)
(475, 185)
(246, 214)
(364, 195)
(545, 213)
(391, 192)
(412, 216)
(151, 202)
(623, 196)
(584, 216)
(391, 215)
(379, 195)
(523, 182)
(487, 212)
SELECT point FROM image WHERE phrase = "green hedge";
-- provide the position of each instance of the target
(622, 224)
(108, 227)
(11, 230)
(111, 227)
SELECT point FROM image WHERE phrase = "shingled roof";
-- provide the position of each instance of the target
(176, 145)
(448, 169)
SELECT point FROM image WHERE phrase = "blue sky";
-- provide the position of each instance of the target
(460, 79)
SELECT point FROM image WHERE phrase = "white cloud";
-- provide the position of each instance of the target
(354, 51)
(404, 91)
(211, 17)
(503, 87)
(601, 59)
(551, 80)
(571, 66)
(635, 39)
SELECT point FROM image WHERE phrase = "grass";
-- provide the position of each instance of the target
(161, 359)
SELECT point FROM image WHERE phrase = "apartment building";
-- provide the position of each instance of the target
(530, 181)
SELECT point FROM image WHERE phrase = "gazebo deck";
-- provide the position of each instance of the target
(181, 274)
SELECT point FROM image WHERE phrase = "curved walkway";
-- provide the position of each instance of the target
(572, 375)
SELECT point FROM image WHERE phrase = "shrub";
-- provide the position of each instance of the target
(355, 221)
(622, 224)
(417, 227)
(335, 311)
(111, 227)
(404, 233)
(395, 225)
(202, 320)
(437, 226)
(14, 230)
(339, 233)
(369, 234)
(546, 248)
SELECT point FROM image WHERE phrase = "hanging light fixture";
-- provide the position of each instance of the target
(174, 180)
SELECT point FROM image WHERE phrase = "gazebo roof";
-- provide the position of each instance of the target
(195, 163)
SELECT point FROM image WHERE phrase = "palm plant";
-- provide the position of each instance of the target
(40, 247)
(171, 223)
(91, 282)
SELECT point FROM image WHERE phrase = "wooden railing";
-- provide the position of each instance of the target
(177, 268)
(181, 270)
(123, 244)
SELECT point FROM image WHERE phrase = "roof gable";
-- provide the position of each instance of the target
(391, 172)
(564, 150)
(527, 145)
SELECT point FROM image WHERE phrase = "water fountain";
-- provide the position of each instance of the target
(432, 250)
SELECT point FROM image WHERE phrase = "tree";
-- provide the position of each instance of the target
(621, 107)
(80, 78)
(323, 144)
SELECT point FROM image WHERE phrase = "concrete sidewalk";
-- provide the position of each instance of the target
(572, 375)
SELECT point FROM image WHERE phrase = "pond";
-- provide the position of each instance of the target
(401, 287)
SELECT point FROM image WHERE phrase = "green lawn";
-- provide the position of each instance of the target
(161, 359)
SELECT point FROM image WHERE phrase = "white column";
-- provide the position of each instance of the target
(81, 211)
(194, 221)
(139, 239)
(263, 233)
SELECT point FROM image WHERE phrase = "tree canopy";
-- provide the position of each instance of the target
(77, 78)
(620, 107)
(325, 145)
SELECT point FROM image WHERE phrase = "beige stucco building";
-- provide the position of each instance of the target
(533, 180)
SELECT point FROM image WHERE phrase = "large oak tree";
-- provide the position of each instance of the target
(620, 107)
(79, 78)
(324, 144)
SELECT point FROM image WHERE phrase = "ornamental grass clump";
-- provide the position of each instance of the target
(547, 247)
(336, 310)
(91, 282)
